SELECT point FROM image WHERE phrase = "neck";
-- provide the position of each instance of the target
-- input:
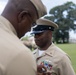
(45, 47)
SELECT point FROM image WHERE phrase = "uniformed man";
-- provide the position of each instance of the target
(50, 59)
(16, 19)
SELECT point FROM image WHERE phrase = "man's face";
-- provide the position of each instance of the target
(26, 22)
(26, 19)
(42, 39)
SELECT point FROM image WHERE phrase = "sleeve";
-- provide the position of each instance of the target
(65, 67)
(22, 64)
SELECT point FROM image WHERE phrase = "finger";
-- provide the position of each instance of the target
(41, 68)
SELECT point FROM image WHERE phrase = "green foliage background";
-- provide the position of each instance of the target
(70, 49)
(65, 16)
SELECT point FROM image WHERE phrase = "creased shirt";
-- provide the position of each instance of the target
(58, 60)
(15, 58)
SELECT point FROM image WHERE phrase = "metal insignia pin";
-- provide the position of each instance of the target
(49, 27)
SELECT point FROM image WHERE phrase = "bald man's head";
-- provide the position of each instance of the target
(23, 13)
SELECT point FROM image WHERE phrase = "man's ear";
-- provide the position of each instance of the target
(22, 15)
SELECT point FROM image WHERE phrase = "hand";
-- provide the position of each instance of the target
(42, 70)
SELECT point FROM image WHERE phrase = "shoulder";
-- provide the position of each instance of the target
(58, 50)
(59, 54)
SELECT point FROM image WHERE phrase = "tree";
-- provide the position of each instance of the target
(65, 16)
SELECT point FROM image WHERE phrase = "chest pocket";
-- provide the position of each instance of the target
(47, 61)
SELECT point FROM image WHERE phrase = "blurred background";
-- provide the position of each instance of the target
(62, 12)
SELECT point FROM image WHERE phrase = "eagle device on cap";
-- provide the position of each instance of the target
(43, 25)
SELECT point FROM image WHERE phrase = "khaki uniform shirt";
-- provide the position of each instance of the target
(15, 58)
(59, 61)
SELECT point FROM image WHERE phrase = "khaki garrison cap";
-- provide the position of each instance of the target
(43, 25)
(41, 9)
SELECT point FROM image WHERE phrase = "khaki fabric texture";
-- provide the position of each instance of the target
(15, 58)
(59, 59)
(46, 22)
(40, 7)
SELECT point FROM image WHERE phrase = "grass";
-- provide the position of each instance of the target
(70, 49)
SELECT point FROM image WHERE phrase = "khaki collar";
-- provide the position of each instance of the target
(49, 52)
(6, 25)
